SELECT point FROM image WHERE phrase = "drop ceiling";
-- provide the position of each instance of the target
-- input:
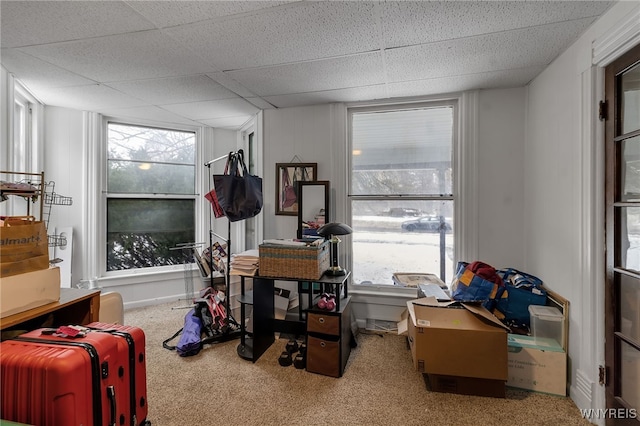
(217, 63)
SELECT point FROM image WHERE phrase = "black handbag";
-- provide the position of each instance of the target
(239, 193)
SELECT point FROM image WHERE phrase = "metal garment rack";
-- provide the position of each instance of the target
(231, 332)
(187, 250)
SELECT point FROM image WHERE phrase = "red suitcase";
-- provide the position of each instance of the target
(135, 339)
(50, 380)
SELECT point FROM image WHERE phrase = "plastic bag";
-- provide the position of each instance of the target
(476, 282)
(521, 290)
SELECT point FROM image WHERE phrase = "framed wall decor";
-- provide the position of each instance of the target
(287, 177)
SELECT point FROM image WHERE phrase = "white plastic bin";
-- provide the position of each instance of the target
(546, 322)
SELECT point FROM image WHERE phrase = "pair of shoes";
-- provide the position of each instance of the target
(327, 301)
(286, 358)
(300, 360)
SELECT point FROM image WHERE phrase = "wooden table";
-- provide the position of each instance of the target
(76, 306)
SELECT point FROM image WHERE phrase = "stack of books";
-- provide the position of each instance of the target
(245, 263)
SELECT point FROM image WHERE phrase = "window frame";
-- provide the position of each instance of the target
(101, 237)
(465, 189)
(351, 198)
(30, 129)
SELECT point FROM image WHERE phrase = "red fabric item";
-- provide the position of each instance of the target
(215, 205)
(485, 271)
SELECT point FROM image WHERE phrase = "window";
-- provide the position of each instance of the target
(24, 149)
(21, 117)
(401, 190)
(151, 195)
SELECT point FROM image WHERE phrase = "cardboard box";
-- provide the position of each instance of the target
(26, 291)
(24, 245)
(465, 385)
(455, 339)
(537, 364)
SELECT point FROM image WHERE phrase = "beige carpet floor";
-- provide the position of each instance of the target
(379, 387)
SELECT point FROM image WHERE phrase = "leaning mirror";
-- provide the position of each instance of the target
(313, 207)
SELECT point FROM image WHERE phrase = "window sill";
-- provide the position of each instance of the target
(140, 277)
(382, 294)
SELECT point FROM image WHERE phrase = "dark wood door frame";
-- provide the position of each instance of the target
(613, 129)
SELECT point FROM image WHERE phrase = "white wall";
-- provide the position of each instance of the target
(289, 132)
(500, 153)
(563, 204)
(64, 165)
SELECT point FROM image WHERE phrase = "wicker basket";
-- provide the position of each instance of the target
(300, 262)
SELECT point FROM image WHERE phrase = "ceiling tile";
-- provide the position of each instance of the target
(25, 23)
(87, 98)
(174, 90)
(147, 54)
(228, 82)
(311, 30)
(167, 13)
(416, 22)
(337, 73)
(328, 96)
(213, 109)
(222, 61)
(37, 74)
(459, 83)
(527, 47)
(260, 103)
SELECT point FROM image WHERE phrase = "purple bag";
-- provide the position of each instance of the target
(190, 342)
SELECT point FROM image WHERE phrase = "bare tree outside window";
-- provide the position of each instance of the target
(151, 195)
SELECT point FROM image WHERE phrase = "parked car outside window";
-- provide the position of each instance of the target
(401, 212)
(426, 224)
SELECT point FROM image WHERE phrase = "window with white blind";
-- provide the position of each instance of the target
(401, 190)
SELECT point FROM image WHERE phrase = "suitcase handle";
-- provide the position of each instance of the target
(111, 396)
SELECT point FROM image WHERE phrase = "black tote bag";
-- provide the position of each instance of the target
(238, 192)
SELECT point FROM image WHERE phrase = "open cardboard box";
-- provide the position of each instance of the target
(459, 340)
(19, 293)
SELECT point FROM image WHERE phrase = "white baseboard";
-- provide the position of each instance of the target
(177, 298)
(581, 392)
